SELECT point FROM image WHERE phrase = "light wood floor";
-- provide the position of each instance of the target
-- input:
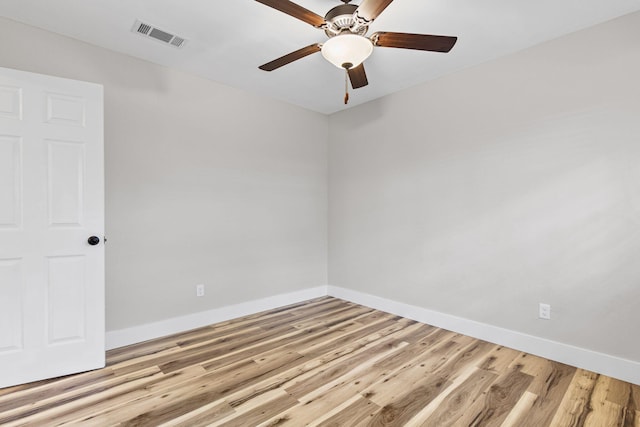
(324, 362)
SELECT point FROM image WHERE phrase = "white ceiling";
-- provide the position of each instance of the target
(228, 40)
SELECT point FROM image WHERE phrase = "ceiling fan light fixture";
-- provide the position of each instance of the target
(347, 50)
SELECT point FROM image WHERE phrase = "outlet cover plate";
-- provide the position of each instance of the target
(199, 290)
(544, 311)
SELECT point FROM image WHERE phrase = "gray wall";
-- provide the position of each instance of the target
(515, 182)
(478, 195)
(204, 183)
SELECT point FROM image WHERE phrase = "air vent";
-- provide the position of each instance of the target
(155, 33)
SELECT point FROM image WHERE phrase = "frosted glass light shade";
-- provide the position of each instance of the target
(346, 49)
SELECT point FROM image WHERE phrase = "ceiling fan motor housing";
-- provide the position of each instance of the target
(341, 19)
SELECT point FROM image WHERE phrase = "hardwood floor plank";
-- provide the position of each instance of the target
(350, 354)
(332, 318)
(169, 401)
(458, 370)
(518, 416)
(632, 417)
(575, 405)
(625, 395)
(143, 349)
(498, 400)
(115, 404)
(311, 306)
(499, 359)
(459, 399)
(408, 377)
(603, 412)
(351, 413)
(550, 382)
(407, 402)
(430, 342)
(345, 338)
(221, 347)
(209, 388)
(310, 368)
(324, 362)
(324, 398)
(203, 416)
(56, 408)
(299, 339)
(253, 412)
(19, 396)
(619, 392)
(343, 366)
(380, 373)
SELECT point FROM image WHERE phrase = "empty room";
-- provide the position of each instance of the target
(319, 212)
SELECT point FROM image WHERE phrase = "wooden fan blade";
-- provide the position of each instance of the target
(288, 58)
(414, 41)
(358, 77)
(370, 9)
(297, 11)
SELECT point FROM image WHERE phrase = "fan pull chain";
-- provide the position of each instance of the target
(346, 86)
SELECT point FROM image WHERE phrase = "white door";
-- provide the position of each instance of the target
(51, 202)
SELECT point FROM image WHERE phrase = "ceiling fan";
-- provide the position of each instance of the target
(346, 26)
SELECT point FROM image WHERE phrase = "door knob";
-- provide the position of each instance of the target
(93, 240)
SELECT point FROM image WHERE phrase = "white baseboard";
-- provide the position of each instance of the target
(626, 370)
(136, 334)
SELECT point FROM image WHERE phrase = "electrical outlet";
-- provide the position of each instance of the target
(544, 311)
(199, 290)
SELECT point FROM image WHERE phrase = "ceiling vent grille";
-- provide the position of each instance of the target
(155, 33)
